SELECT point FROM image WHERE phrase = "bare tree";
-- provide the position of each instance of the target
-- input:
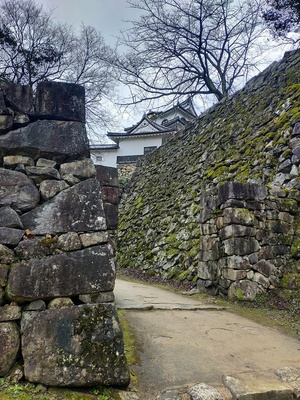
(88, 67)
(34, 48)
(189, 47)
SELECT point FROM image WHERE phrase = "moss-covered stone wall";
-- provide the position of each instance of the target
(175, 220)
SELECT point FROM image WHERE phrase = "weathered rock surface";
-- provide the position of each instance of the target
(55, 250)
(6, 254)
(10, 218)
(17, 191)
(256, 387)
(102, 297)
(77, 346)
(82, 169)
(9, 345)
(107, 176)
(76, 209)
(10, 236)
(6, 123)
(45, 162)
(3, 274)
(60, 302)
(13, 161)
(63, 140)
(69, 242)
(112, 216)
(36, 247)
(204, 392)
(91, 239)
(18, 97)
(50, 188)
(89, 270)
(10, 313)
(40, 174)
(58, 100)
(36, 305)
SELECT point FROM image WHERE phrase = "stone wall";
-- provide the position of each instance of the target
(246, 238)
(109, 181)
(58, 321)
(218, 205)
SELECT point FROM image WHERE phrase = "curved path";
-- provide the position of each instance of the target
(184, 343)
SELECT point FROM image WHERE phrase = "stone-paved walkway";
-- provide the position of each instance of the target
(192, 351)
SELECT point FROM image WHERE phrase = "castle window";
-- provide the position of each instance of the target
(149, 149)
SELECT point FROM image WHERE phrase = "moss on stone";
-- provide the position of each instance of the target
(290, 281)
(239, 140)
(240, 294)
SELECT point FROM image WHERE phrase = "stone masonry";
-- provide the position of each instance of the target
(217, 206)
(57, 271)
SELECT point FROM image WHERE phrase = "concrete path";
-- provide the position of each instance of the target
(183, 343)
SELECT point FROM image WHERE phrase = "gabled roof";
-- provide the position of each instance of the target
(159, 122)
(188, 106)
(144, 127)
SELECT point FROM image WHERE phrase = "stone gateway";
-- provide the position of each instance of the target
(57, 272)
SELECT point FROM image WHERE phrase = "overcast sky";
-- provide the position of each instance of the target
(106, 16)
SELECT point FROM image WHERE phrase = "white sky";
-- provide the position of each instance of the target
(107, 16)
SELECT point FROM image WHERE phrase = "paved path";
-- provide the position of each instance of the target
(184, 342)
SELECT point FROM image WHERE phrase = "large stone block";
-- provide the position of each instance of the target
(233, 274)
(240, 246)
(40, 174)
(207, 270)
(3, 274)
(82, 169)
(50, 188)
(18, 97)
(207, 242)
(10, 218)
(10, 236)
(11, 162)
(6, 255)
(6, 123)
(236, 231)
(58, 100)
(265, 267)
(86, 271)
(239, 216)
(10, 312)
(110, 194)
(77, 209)
(37, 247)
(107, 176)
(243, 290)
(17, 190)
(76, 346)
(111, 211)
(242, 191)
(57, 140)
(9, 346)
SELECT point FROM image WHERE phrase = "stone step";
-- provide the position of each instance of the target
(255, 386)
(283, 384)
